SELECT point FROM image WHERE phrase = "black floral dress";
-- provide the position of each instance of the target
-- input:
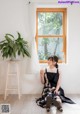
(51, 80)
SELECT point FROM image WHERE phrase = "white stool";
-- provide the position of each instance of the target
(17, 74)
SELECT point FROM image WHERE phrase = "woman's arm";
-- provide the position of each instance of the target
(58, 83)
(42, 76)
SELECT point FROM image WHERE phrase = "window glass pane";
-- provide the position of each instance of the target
(50, 23)
(50, 46)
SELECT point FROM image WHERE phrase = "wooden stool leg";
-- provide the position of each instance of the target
(6, 81)
(18, 80)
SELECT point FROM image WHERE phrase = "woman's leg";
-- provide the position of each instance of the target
(48, 101)
(58, 103)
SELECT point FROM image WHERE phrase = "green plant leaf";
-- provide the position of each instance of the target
(19, 35)
(10, 47)
(10, 35)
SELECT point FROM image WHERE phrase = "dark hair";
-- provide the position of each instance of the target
(54, 58)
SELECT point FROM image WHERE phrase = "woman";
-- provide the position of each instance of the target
(52, 93)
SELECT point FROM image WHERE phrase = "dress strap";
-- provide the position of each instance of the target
(57, 71)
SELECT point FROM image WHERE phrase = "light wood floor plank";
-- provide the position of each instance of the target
(27, 105)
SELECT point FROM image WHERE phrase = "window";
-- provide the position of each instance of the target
(51, 33)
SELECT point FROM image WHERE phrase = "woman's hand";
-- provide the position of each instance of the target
(56, 91)
(52, 89)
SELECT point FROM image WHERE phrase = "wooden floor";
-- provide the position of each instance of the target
(27, 105)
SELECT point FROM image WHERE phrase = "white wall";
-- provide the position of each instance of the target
(17, 15)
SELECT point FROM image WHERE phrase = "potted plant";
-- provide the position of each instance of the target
(11, 47)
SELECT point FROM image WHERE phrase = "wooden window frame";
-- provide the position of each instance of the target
(61, 10)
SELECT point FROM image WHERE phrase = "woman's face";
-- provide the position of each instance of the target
(50, 62)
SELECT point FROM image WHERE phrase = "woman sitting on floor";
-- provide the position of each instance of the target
(52, 93)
